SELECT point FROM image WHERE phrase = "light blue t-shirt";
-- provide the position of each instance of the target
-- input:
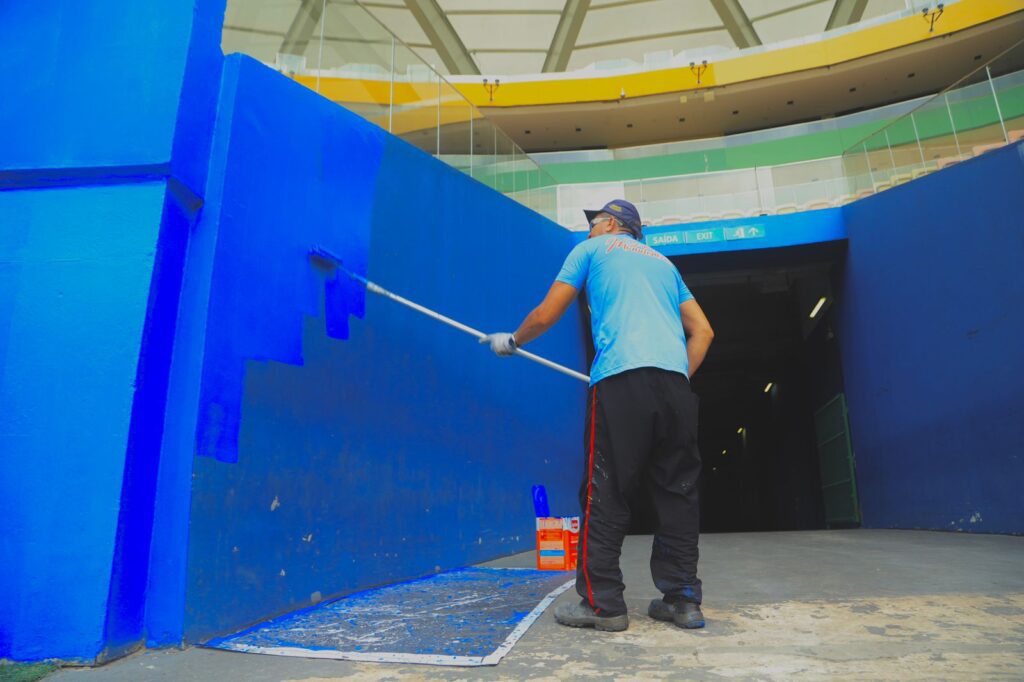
(634, 294)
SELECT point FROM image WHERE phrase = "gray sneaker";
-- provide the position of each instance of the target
(579, 615)
(684, 614)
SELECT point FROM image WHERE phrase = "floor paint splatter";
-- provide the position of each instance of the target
(470, 617)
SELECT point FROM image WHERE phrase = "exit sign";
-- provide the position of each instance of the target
(744, 232)
(706, 236)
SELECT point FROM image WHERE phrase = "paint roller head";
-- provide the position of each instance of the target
(323, 259)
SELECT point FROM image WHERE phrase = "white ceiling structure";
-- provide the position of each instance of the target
(519, 37)
(507, 37)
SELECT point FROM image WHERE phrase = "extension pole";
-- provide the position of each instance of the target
(381, 291)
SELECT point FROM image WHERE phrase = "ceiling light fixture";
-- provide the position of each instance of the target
(491, 87)
(698, 70)
(931, 16)
(817, 307)
(768, 387)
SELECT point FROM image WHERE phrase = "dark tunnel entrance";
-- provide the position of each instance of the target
(771, 368)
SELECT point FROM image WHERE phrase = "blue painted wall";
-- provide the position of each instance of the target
(930, 331)
(331, 465)
(75, 269)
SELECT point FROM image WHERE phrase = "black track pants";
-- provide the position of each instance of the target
(641, 430)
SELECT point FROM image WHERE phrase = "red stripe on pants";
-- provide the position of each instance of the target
(590, 492)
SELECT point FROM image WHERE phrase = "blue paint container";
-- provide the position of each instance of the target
(540, 501)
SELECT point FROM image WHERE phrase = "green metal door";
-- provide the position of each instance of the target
(835, 454)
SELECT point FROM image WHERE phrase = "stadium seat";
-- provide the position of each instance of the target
(950, 160)
(730, 215)
(982, 148)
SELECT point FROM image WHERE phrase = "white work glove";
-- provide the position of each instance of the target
(502, 343)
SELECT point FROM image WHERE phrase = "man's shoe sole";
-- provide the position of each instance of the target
(608, 624)
(659, 610)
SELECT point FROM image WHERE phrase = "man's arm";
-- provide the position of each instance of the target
(558, 299)
(698, 332)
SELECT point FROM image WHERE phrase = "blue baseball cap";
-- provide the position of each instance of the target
(624, 212)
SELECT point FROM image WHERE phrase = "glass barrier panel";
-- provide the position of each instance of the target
(415, 105)
(1010, 91)
(485, 146)
(505, 163)
(854, 169)
(670, 211)
(808, 185)
(259, 28)
(662, 189)
(633, 191)
(975, 120)
(353, 66)
(938, 137)
(456, 119)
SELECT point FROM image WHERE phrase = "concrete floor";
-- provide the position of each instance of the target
(859, 604)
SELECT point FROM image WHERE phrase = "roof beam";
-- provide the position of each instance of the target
(296, 40)
(846, 12)
(443, 37)
(737, 23)
(564, 40)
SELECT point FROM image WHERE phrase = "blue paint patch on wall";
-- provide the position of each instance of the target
(407, 448)
(263, 284)
(741, 234)
(930, 332)
(75, 269)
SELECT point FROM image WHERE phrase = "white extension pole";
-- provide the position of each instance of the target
(376, 289)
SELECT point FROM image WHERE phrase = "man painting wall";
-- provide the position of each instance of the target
(650, 336)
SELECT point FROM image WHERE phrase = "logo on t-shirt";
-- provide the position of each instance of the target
(633, 246)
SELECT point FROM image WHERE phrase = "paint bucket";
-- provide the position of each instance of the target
(558, 540)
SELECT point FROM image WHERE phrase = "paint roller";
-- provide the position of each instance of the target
(325, 255)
